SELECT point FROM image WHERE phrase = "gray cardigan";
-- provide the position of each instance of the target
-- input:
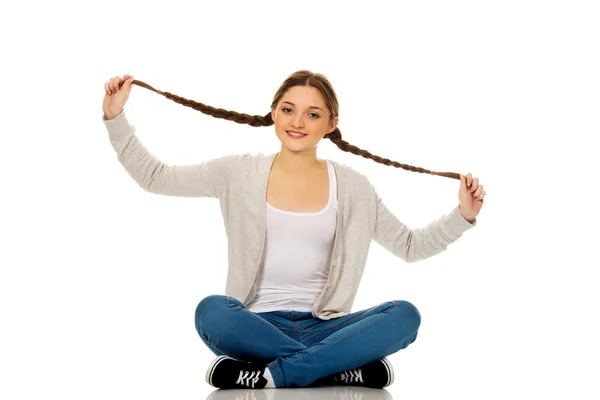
(239, 181)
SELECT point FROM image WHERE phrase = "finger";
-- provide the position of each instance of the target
(478, 192)
(118, 83)
(469, 179)
(121, 82)
(474, 185)
(115, 83)
(106, 88)
(481, 196)
(463, 182)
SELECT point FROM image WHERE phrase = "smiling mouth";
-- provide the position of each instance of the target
(295, 135)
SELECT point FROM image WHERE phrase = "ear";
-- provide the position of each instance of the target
(332, 125)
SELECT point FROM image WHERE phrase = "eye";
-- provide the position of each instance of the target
(287, 108)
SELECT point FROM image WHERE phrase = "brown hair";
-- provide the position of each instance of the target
(298, 78)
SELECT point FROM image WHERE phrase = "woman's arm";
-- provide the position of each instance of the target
(413, 245)
(206, 179)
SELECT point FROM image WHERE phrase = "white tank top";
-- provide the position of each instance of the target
(297, 250)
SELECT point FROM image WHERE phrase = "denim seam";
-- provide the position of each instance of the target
(339, 323)
(345, 336)
(279, 377)
(269, 325)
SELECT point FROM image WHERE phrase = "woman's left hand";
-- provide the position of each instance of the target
(470, 195)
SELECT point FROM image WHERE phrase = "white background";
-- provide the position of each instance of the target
(99, 280)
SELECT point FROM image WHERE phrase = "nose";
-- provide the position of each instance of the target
(297, 122)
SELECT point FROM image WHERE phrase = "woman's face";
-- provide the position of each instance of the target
(302, 109)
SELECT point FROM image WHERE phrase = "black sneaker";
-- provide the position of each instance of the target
(376, 374)
(227, 373)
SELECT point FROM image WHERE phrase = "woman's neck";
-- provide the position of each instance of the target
(296, 164)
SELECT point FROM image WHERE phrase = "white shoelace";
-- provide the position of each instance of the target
(248, 378)
(351, 376)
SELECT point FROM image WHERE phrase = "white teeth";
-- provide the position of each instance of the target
(296, 134)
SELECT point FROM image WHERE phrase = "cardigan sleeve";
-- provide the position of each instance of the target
(417, 244)
(205, 179)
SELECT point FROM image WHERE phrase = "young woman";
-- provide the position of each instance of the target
(299, 230)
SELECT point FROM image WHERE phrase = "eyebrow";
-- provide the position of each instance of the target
(289, 102)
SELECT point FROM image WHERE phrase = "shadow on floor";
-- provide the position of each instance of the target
(321, 393)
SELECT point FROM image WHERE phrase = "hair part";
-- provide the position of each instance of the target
(298, 78)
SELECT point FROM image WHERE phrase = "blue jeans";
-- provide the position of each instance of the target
(299, 348)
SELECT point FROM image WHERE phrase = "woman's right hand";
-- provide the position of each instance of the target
(116, 97)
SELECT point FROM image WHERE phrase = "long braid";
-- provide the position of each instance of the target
(345, 146)
(240, 118)
(266, 120)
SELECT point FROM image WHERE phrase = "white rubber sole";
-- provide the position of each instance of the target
(212, 367)
(390, 369)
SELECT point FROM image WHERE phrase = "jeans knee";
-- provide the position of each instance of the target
(409, 313)
(206, 309)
